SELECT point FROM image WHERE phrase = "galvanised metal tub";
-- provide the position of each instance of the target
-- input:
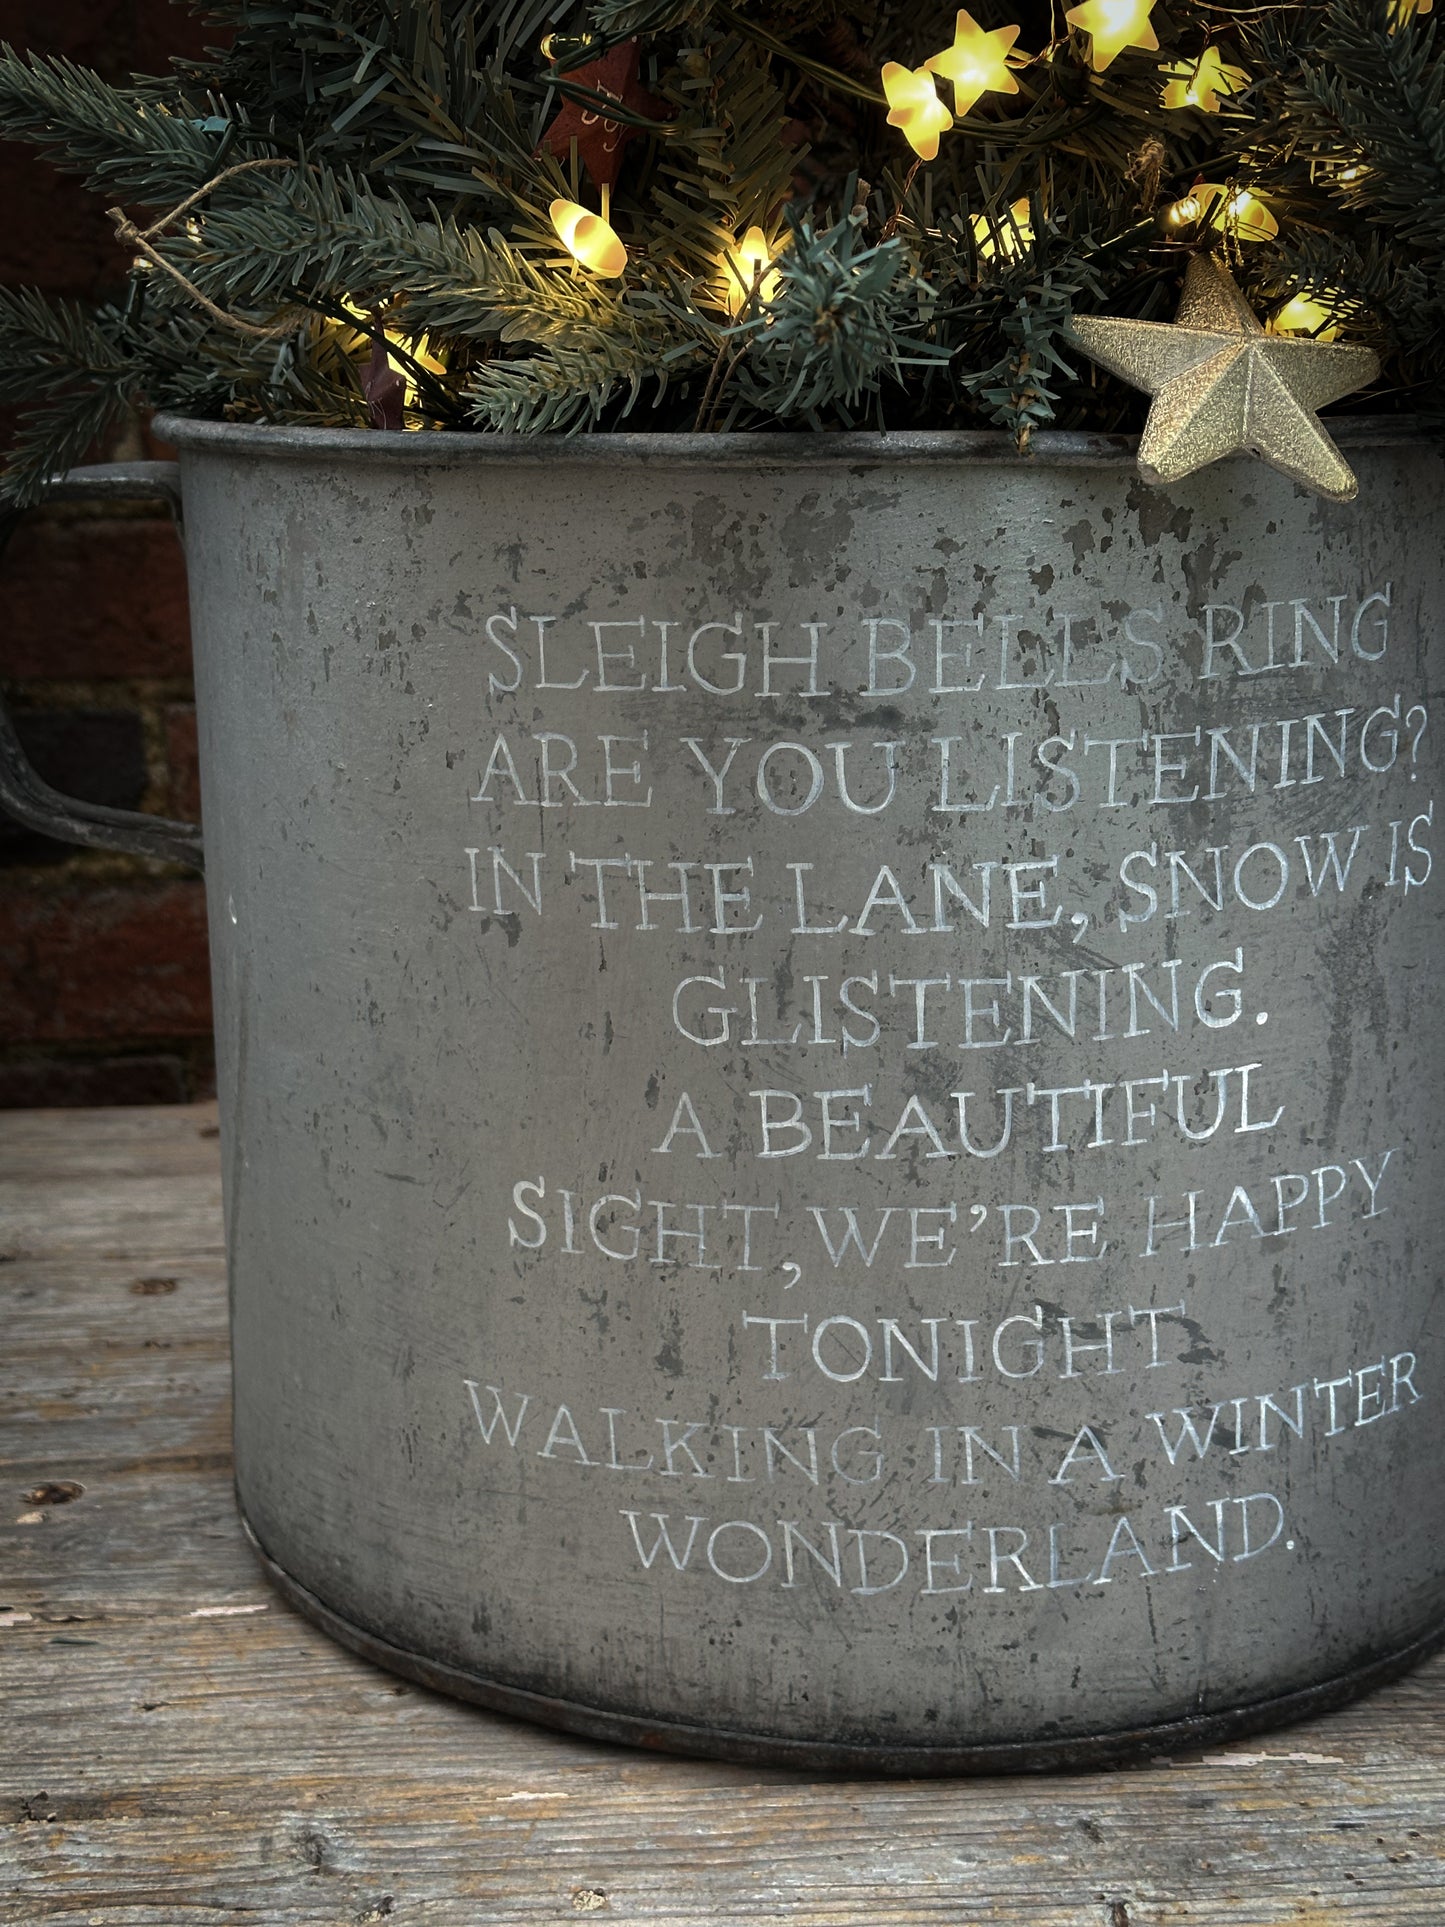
(829, 1058)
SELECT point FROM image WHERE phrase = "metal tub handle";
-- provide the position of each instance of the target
(27, 796)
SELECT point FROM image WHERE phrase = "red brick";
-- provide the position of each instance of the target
(163, 29)
(111, 964)
(182, 762)
(116, 37)
(92, 597)
(97, 33)
(90, 600)
(56, 236)
(95, 754)
(44, 1083)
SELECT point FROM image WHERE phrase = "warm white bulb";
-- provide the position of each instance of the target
(1237, 211)
(588, 238)
(418, 347)
(1011, 237)
(1303, 315)
(747, 265)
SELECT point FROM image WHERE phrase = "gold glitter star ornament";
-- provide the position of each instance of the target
(1222, 386)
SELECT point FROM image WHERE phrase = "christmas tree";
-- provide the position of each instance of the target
(698, 215)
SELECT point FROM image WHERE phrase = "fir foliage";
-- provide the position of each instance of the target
(846, 319)
(344, 173)
(1353, 147)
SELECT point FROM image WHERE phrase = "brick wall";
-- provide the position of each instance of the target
(104, 997)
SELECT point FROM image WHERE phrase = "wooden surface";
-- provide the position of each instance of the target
(179, 1748)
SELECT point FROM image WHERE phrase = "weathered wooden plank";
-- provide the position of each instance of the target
(166, 1141)
(182, 1749)
(242, 1666)
(68, 1307)
(114, 1405)
(107, 1362)
(109, 1184)
(372, 1778)
(322, 1862)
(97, 1560)
(172, 1543)
(154, 1538)
(89, 1293)
(1174, 1845)
(361, 1774)
(145, 1219)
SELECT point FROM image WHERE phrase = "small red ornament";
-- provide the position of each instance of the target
(600, 141)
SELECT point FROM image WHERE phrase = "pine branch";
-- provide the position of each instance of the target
(1359, 121)
(414, 91)
(727, 165)
(1016, 391)
(75, 372)
(314, 237)
(121, 143)
(46, 345)
(55, 436)
(846, 318)
(1394, 303)
(568, 388)
(617, 18)
(405, 190)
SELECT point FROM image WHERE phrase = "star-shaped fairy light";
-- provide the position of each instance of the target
(1113, 25)
(914, 106)
(600, 139)
(1222, 386)
(976, 63)
(1203, 83)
